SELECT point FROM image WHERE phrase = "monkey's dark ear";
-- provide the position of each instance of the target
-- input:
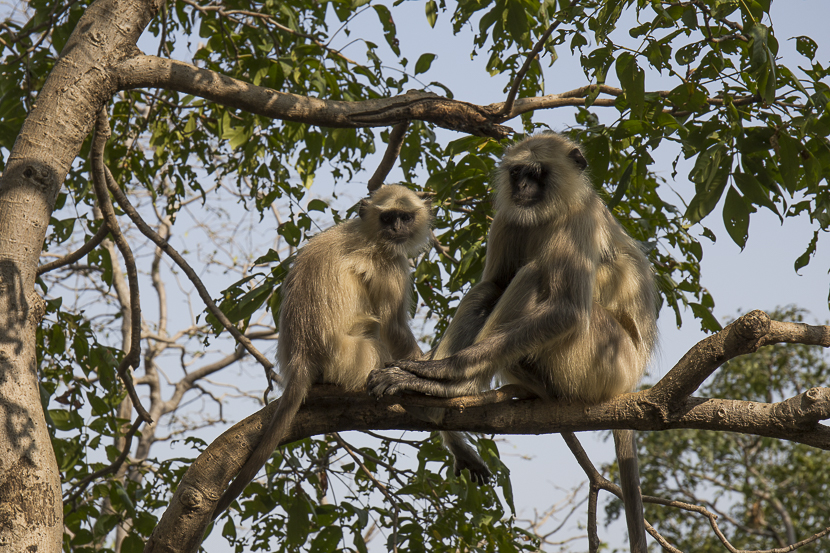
(578, 158)
(426, 197)
(362, 207)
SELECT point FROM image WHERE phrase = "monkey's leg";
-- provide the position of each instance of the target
(526, 318)
(467, 322)
(465, 456)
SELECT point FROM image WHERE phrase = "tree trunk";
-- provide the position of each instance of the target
(31, 509)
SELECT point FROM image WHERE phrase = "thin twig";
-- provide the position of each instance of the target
(112, 468)
(393, 149)
(77, 254)
(145, 229)
(517, 81)
(132, 358)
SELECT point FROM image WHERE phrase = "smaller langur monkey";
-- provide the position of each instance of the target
(345, 310)
(566, 306)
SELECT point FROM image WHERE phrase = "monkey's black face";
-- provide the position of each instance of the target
(527, 184)
(396, 225)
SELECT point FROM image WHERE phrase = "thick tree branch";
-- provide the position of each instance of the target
(495, 412)
(745, 335)
(150, 71)
(508, 411)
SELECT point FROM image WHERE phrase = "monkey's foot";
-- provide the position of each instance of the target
(387, 381)
(479, 472)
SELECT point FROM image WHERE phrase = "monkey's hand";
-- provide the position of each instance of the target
(387, 381)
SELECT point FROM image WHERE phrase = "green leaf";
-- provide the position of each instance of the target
(291, 232)
(423, 63)
(710, 175)
(326, 541)
(389, 30)
(62, 419)
(736, 217)
(132, 544)
(432, 13)
(619, 193)
(632, 79)
(758, 48)
(789, 157)
(806, 46)
(299, 521)
(707, 320)
(99, 406)
(515, 19)
(804, 259)
(754, 192)
(313, 205)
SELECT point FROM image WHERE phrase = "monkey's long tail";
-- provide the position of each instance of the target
(626, 446)
(289, 403)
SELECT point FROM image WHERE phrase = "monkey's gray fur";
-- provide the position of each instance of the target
(345, 309)
(566, 306)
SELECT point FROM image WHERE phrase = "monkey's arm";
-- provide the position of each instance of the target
(469, 319)
(541, 304)
(399, 338)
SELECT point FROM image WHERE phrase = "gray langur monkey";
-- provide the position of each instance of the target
(345, 309)
(566, 306)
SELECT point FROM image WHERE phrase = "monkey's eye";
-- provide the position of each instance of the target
(515, 173)
(387, 218)
(406, 217)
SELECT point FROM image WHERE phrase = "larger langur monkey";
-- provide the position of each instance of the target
(566, 306)
(345, 311)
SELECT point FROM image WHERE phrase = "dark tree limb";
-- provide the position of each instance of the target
(393, 150)
(142, 71)
(93, 242)
(145, 229)
(596, 482)
(132, 358)
(744, 335)
(111, 468)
